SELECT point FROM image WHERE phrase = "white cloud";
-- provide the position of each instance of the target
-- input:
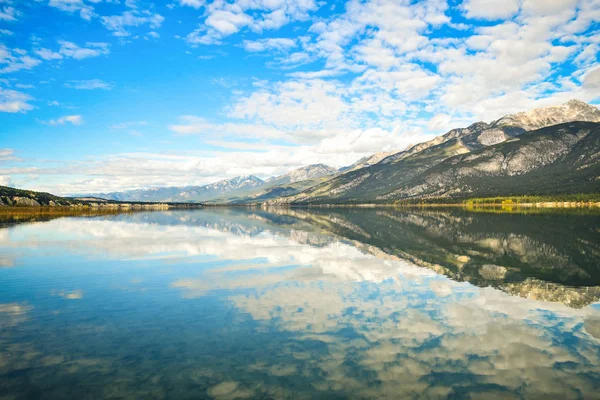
(93, 49)
(71, 50)
(6, 154)
(5, 180)
(293, 103)
(591, 80)
(588, 56)
(72, 119)
(543, 7)
(72, 6)
(90, 84)
(119, 23)
(224, 18)
(193, 125)
(8, 13)
(491, 9)
(439, 121)
(14, 60)
(269, 44)
(226, 22)
(375, 53)
(192, 3)
(12, 101)
(47, 54)
(324, 73)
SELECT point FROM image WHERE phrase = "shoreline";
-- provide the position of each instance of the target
(125, 207)
(549, 204)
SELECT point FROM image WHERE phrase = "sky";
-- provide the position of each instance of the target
(108, 95)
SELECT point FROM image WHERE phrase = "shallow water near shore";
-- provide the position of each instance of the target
(301, 303)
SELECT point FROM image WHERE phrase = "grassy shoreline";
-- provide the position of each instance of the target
(561, 201)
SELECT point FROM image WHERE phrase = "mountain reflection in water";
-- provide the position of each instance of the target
(302, 303)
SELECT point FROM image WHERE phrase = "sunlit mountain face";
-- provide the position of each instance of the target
(336, 303)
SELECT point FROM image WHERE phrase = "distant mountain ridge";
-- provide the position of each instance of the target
(235, 189)
(188, 193)
(13, 197)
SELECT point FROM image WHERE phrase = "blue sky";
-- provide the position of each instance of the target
(102, 95)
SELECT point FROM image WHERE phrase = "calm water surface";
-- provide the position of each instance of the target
(350, 303)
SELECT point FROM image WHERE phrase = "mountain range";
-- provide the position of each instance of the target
(553, 150)
(544, 151)
(187, 193)
(238, 189)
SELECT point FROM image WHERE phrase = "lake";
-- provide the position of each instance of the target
(302, 303)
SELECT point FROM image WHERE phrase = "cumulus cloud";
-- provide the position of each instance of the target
(491, 9)
(373, 75)
(223, 19)
(310, 103)
(508, 59)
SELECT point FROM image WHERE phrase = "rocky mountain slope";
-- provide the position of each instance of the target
(560, 159)
(302, 174)
(368, 160)
(28, 198)
(498, 158)
(288, 184)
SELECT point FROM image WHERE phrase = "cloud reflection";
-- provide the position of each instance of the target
(359, 320)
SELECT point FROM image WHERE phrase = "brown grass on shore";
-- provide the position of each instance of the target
(24, 214)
